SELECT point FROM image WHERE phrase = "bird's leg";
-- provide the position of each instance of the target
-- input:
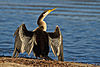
(46, 58)
(36, 57)
(14, 52)
(25, 55)
(17, 54)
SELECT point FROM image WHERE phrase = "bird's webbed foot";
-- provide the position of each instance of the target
(46, 58)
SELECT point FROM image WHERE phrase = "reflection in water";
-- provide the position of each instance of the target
(78, 20)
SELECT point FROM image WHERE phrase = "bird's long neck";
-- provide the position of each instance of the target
(41, 22)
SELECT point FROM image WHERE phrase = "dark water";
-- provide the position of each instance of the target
(79, 21)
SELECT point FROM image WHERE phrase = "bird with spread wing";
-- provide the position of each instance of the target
(39, 40)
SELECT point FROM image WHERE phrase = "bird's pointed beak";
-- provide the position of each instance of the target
(52, 9)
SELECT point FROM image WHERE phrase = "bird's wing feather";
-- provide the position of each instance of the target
(56, 43)
(26, 37)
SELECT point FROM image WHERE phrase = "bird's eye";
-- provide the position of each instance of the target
(46, 13)
(43, 14)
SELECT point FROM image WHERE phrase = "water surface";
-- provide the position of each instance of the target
(79, 22)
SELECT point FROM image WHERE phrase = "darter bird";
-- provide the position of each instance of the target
(39, 40)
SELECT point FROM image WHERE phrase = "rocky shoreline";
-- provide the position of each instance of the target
(28, 62)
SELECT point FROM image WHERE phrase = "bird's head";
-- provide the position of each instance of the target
(44, 14)
(41, 21)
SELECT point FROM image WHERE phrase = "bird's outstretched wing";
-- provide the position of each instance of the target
(26, 38)
(56, 43)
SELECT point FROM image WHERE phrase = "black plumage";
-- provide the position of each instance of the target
(39, 40)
